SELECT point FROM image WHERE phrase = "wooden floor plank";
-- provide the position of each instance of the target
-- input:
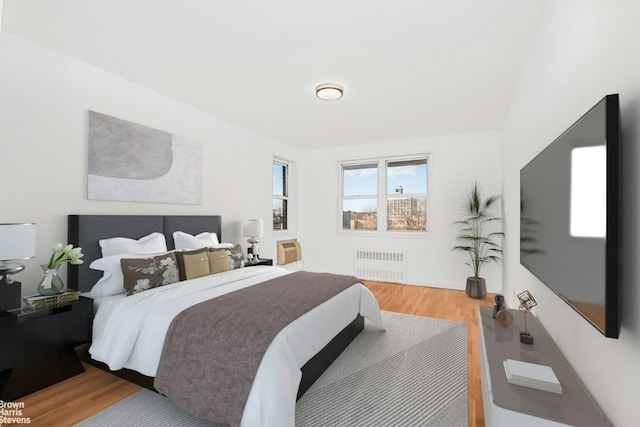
(77, 398)
(72, 400)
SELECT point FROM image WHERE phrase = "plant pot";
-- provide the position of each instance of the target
(476, 287)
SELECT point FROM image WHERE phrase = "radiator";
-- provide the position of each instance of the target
(385, 265)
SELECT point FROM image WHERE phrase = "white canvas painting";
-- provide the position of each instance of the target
(132, 162)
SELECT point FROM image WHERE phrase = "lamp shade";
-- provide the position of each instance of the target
(252, 228)
(17, 241)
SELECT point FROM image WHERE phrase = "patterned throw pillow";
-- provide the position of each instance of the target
(141, 274)
(235, 257)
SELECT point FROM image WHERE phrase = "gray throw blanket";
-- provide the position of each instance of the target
(213, 349)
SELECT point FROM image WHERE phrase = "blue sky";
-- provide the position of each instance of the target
(364, 181)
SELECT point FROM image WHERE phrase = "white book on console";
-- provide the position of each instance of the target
(532, 375)
(532, 371)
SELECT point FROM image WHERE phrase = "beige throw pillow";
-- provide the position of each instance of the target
(180, 259)
(218, 261)
(195, 265)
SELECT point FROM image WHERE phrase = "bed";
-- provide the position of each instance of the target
(296, 357)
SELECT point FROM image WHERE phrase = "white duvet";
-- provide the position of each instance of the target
(129, 332)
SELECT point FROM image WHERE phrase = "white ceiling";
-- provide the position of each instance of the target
(410, 69)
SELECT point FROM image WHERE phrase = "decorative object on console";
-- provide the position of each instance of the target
(481, 246)
(253, 229)
(51, 284)
(504, 317)
(527, 302)
(17, 241)
(499, 299)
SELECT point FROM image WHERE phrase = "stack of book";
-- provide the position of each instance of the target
(532, 375)
(48, 301)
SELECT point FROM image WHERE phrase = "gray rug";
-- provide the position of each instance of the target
(412, 374)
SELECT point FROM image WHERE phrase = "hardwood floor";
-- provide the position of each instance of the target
(77, 398)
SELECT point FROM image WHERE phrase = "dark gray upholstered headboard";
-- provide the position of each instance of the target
(86, 230)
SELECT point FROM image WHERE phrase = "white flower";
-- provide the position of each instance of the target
(64, 254)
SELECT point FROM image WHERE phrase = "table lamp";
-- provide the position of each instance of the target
(17, 241)
(253, 229)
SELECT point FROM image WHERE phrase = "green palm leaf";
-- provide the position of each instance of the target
(481, 246)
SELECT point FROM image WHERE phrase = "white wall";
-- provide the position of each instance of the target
(585, 50)
(44, 99)
(43, 123)
(456, 161)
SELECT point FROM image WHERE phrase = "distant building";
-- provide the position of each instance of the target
(402, 207)
(359, 220)
(403, 213)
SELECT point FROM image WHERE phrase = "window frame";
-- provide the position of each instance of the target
(285, 197)
(382, 195)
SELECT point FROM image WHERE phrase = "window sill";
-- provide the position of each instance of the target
(386, 234)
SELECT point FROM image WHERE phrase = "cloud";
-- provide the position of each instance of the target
(361, 173)
(403, 171)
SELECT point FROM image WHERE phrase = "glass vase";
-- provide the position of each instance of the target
(51, 283)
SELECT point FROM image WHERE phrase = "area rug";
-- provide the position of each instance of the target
(412, 374)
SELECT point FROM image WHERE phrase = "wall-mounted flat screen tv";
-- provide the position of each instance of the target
(569, 216)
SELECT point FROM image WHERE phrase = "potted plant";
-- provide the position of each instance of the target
(481, 244)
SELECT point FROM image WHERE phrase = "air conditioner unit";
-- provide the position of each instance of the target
(288, 251)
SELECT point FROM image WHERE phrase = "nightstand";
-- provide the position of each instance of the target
(261, 261)
(38, 346)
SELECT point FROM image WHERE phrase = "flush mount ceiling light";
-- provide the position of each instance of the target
(329, 91)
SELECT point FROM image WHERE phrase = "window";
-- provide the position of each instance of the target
(280, 195)
(360, 197)
(406, 197)
(385, 195)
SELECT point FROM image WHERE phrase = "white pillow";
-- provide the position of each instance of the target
(112, 280)
(152, 244)
(222, 246)
(187, 242)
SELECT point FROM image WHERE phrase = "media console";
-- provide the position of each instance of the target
(507, 404)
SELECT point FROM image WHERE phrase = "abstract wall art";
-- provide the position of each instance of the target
(132, 162)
